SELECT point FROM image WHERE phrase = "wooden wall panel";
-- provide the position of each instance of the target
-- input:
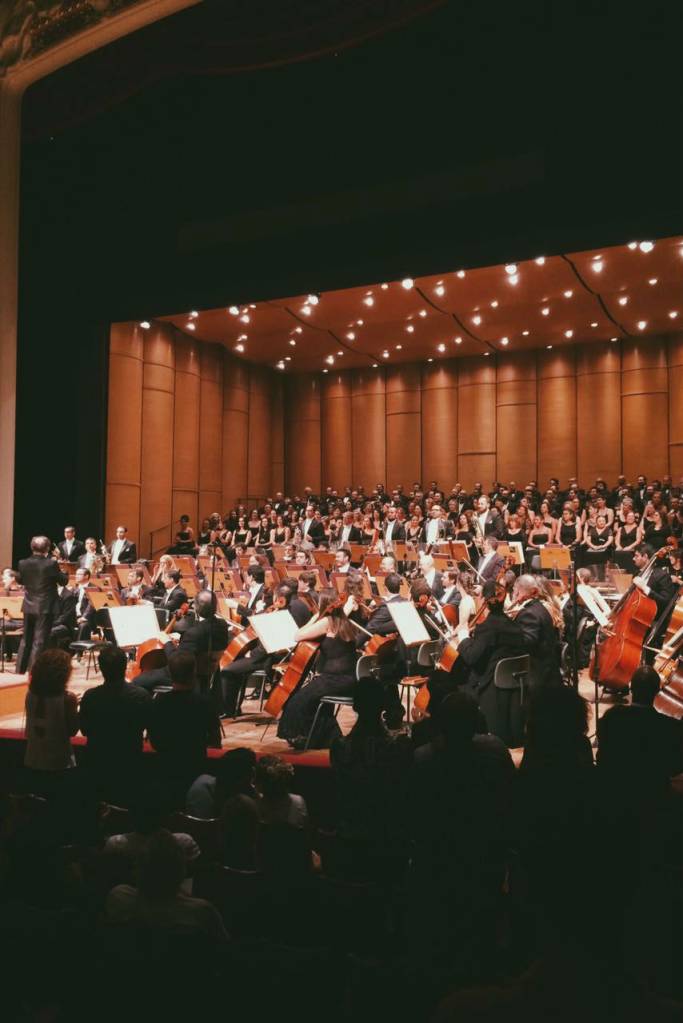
(556, 415)
(598, 412)
(277, 437)
(368, 426)
(260, 456)
(124, 429)
(403, 426)
(516, 416)
(185, 499)
(440, 423)
(476, 422)
(676, 407)
(210, 432)
(156, 478)
(302, 434)
(235, 431)
(645, 412)
(335, 410)
(476, 469)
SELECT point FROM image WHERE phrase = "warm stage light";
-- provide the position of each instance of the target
(568, 294)
(569, 333)
(511, 269)
(423, 312)
(369, 300)
(351, 336)
(330, 360)
(458, 340)
(545, 311)
(313, 299)
(514, 279)
(440, 290)
(460, 273)
(280, 364)
(145, 324)
(292, 342)
(633, 245)
(494, 304)
(407, 283)
(642, 324)
(476, 320)
(673, 314)
(410, 328)
(245, 318)
(597, 266)
(594, 324)
(306, 310)
(385, 354)
(233, 310)
(441, 347)
(549, 347)
(525, 333)
(623, 300)
(194, 314)
(505, 340)
(653, 280)
(239, 348)
(540, 260)
(646, 246)
(190, 326)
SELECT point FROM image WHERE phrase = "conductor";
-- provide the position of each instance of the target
(40, 576)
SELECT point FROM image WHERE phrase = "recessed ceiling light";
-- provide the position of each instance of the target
(569, 333)
(375, 365)
(494, 304)
(288, 358)
(653, 280)
(633, 245)
(306, 310)
(441, 347)
(511, 268)
(351, 336)
(410, 328)
(407, 283)
(673, 314)
(568, 293)
(384, 287)
(430, 360)
(292, 342)
(239, 348)
(458, 340)
(298, 330)
(540, 260)
(190, 326)
(385, 354)
(513, 279)
(505, 340)
(486, 354)
(642, 324)
(594, 324)
(549, 347)
(280, 364)
(234, 310)
(245, 318)
(194, 314)
(145, 324)
(476, 320)
(423, 312)
(525, 333)
(545, 311)
(646, 246)
(324, 371)
(359, 323)
(340, 353)
(251, 305)
(623, 300)
(460, 273)
(243, 337)
(440, 290)
(369, 300)
(597, 266)
(313, 299)
(614, 339)
(399, 348)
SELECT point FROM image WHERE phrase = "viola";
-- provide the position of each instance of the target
(152, 654)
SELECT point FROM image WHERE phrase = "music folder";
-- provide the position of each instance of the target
(410, 626)
(134, 625)
(276, 630)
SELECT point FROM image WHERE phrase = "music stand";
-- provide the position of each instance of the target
(10, 607)
(123, 570)
(325, 559)
(459, 552)
(555, 558)
(357, 551)
(103, 598)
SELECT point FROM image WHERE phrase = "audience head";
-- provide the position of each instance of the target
(160, 867)
(273, 777)
(50, 673)
(393, 583)
(645, 685)
(526, 587)
(257, 574)
(182, 670)
(205, 604)
(558, 719)
(458, 718)
(113, 662)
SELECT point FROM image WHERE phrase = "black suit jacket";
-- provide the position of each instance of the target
(355, 535)
(662, 587)
(77, 550)
(542, 643)
(40, 578)
(316, 531)
(380, 623)
(176, 598)
(299, 611)
(398, 534)
(195, 640)
(494, 525)
(492, 568)
(86, 609)
(128, 554)
(493, 639)
(66, 613)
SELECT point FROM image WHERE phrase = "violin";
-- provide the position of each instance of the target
(151, 654)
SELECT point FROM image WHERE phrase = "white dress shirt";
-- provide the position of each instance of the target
(116, 551)
(433, 530)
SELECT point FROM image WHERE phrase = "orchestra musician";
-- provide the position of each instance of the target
(174, 595)
(431, 575)
(490, 563)
(90, 558)
(657, 584)
(349, 532)
(489, 521)
(541, 636)
(312, 530)
(394, 531)
(136, 589)
(435, 528)
(342, 560)
(122, 551)
(40, 575)
(70, 549)
(83, 608)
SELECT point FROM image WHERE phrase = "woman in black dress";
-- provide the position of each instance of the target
(205, 533)
(465, 534)
(335, 674)
(414, 531)
(184, 538)
(657, 531)
(262, 539)
(280, 532)
(515, 534)
(568, 531)
(539, 535)
(242, 534)
(597, 541)
(627, 538)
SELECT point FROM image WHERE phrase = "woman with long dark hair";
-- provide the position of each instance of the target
(334, 674)
(51, 720)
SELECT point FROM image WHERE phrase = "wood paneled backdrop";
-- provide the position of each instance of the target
(191, 429)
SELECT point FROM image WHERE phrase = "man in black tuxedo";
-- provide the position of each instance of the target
(136, 589)
(122, 550)
(311, 529)
(83, 609)
(174, 596)
(40, 576)
(490, 562)
(70, 549)
(490, 521)
(541, 638)
(64, 624)
(348, 532)
(394, 531)
(660, 587)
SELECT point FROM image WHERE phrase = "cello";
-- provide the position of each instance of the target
(620, 653)
(152, 653)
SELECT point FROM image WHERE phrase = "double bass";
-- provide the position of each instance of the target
(620, 652)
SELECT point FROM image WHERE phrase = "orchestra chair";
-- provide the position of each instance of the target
(89, 647)
(367, 667)
(335, 701)
(257, 680)
(208, 833)
(114, 820)
(512, 674)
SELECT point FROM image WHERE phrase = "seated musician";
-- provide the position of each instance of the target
(334, 674)
(11, 588)
(122, 550)
(63, 629)
(174, 595)
(302, 559)
(492, 640)
(586, 632)
(10, 582)
(207, 631)
(342, 560)
(84, 610)
(229, 689)
(256, 599)
(70, 549)
(541, 635)
(490, 562)
(660, 587)
(306, 592)
(136, 589)
(380, 623)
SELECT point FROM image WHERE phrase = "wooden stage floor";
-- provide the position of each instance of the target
(248, 730)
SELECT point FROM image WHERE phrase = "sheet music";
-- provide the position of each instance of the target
(135, 625)
(410, 626)
(276, 630)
